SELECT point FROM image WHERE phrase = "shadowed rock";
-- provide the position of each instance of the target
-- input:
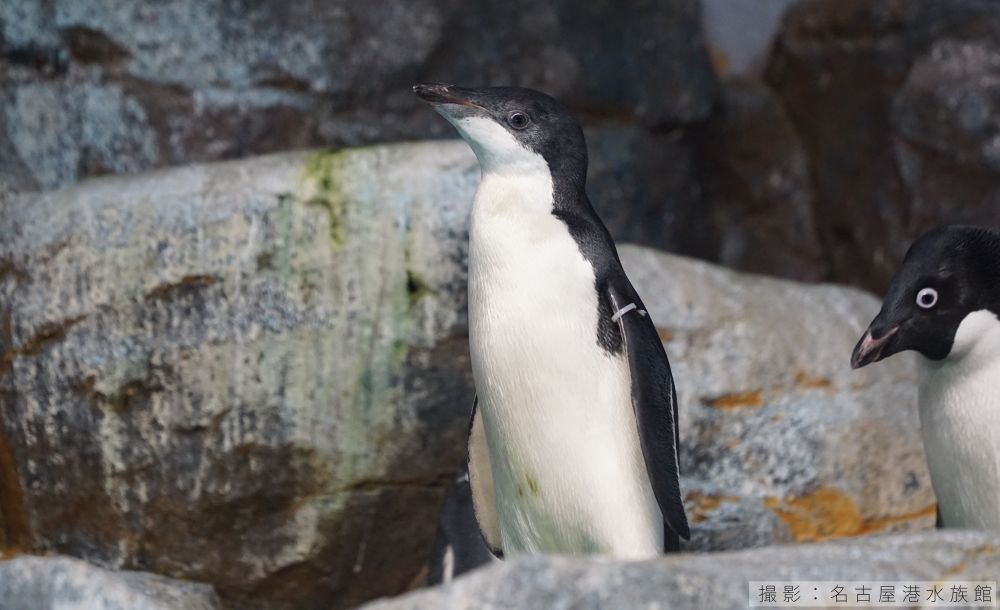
(51, 583)
(716, 580)
(249, 374)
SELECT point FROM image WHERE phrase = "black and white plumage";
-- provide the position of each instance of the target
(573, 446)
(944, 303)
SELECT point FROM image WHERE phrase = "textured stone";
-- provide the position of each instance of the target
(837, 66)
(772, 416)
(739, 34)
(716, 580)
(63, 583)
(563, 47)
(646, 187)
(758, 188)
(947, 124)
(250, 374)
(91, 87)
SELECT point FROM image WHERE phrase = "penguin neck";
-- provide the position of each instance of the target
(531, 186)
(975, 348)
(984, 258)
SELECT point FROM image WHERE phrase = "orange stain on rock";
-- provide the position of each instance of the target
(805, 381)
(737, 400)
(664, 334)
(827, 513)
(702, 504)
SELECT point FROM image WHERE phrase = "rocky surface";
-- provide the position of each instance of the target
(249, 374)
(839, 68)
(739, 34)
(758, 187)
(716, 580)
(61, 583)
(92, 87)
(646, 187)
(780, 440)
(254, 375)
(947, 123)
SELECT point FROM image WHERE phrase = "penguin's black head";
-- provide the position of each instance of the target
(946, 275)
(512, 129)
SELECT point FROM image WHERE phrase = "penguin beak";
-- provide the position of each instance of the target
(440, 93)
(872, 346)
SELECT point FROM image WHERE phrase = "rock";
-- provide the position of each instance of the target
(946, 119)
(758, 187)
(824, 50)
(251, 374)
(780, 440)
(739, 35)
(562, 47)
(255, 375)
(14, 175)
(645, 185)
(51, 583)
(93, 87)
(716, 580)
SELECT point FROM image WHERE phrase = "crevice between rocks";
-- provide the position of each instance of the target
(14, 520)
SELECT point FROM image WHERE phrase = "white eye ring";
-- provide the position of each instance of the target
(927, 298)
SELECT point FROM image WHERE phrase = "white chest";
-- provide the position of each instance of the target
(567, 466)
(960, 422)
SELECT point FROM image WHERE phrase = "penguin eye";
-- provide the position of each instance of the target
(927, 298)
(518, 120)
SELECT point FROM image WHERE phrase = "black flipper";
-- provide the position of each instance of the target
(654, 400)
(938, 521)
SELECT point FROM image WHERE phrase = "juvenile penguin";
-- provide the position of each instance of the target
(573, 441)
(944, 303)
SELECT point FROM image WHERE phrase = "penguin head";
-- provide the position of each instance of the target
(947, 274)
(512, 130)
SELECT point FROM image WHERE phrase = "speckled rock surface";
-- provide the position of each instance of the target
(947, 120)
(254, 374)
(716, 580)
(111, 86)
(758, 187)
(63, 583)
(250, 374)
(781, 440)
(871, 202)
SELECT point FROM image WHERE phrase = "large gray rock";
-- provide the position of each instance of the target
(250, 374)
(740, 34)
(91, 87)
(716, 580)
(947, 124)
(781, 440)
(646, 187)
(837, 67)
(254, 374)
(63, 583)
(758, 188)
(563, 46)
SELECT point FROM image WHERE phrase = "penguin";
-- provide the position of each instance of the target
(944, 303)
(573, 441)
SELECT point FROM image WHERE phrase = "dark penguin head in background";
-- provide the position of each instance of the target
(948, 275)
(513, 129)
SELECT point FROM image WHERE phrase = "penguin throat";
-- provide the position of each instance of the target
(977, 340)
